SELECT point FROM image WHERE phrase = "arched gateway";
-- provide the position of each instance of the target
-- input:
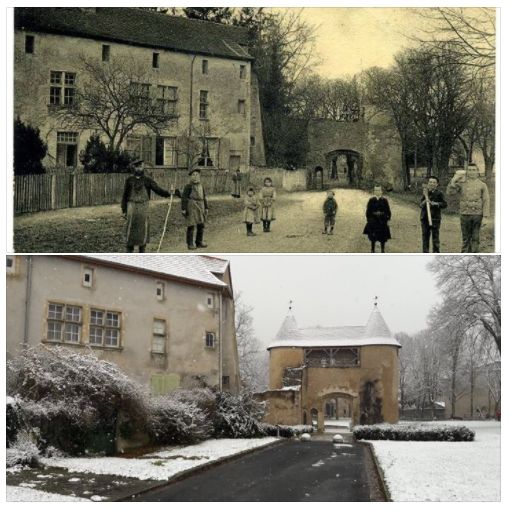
(325, 374)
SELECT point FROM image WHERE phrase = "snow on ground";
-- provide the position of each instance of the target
(23, 494)
(444, 471)
(162, 464)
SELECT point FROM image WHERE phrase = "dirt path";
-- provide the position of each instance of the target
(298, 228)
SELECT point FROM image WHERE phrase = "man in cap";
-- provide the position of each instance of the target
(474, 205)
(135, 206)
(195, 209)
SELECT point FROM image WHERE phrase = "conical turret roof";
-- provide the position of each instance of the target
(376, 326)
(289, 329)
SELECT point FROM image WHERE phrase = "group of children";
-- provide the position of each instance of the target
(261, 208)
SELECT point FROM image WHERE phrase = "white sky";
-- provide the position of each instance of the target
(334, 290)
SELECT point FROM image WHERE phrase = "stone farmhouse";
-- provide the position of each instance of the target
(199, 73)
(167, 321)
(333, 372)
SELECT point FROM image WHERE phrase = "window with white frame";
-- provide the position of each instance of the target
(209, 154)
(166, 151)
(140, 148)
(140, 96)
(159, 336)
(104, 328)
(62, 88)
(166, 99)
(67, 148)
(210, 339)
(64, 323)
(204, 104)
(87, 278)
(160, 291)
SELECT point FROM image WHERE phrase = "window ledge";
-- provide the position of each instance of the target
(159, 354)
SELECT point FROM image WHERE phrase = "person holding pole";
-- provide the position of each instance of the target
(432, 202)
(135, 206)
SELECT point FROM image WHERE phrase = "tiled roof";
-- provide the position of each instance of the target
(375, 332)
(137, 27)
(195, 268)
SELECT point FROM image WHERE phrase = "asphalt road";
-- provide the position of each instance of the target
(287, 472)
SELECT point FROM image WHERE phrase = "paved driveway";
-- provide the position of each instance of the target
(290, 471)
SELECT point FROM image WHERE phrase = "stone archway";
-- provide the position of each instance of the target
(344, 166)
(341, 401)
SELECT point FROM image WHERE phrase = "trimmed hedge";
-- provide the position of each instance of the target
(412, 432)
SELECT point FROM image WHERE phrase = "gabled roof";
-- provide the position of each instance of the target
(197, 269)
(137, 27)
(375, 332)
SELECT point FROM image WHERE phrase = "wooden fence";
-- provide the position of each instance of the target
(45, 192)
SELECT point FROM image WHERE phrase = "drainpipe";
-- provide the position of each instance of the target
(28, 293)
(220, 343)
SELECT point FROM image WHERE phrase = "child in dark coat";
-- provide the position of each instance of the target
(251, 211)
(330, 208)
(378, 215)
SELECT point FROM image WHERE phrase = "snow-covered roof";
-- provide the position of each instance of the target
(202, 269)
(375, 332)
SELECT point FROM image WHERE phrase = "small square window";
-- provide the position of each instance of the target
(225, 380)
(210, 338)
(252, 141)
(105, 53)
(210, 301)
(10, 263)
(160, 291)
(87, 277)
(29, 43)
(205, 67)
(242, 72)
(155, 60)
(241, 106)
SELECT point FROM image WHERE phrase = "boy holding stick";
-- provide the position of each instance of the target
(432, 202)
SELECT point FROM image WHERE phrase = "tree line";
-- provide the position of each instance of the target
(460, 349)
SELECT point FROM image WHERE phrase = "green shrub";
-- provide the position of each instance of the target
(29, 149)
(97, 158)
(412, 432)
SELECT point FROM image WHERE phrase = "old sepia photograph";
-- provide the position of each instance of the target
(161, 377)
(254, 129)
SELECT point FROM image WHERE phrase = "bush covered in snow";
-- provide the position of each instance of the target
(237, 416)
(173, 419)
(414, 432)
(23, 451)
(72, 399)
(286, 431)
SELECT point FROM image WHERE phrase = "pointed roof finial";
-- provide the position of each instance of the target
(375, 300)
(290, 305)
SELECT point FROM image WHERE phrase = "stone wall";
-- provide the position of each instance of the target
(376, 141)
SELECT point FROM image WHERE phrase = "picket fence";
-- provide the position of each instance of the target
(43, 192)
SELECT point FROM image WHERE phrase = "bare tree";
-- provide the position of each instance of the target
(116, 98)
(469, 34)
(253, 359)
(472, 285)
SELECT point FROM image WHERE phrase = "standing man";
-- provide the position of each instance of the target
(135, 206)
(436, 203)
(474, 205)
(194, 208)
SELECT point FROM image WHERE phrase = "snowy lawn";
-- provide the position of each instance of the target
(444, 471)
(163, 464)
(21, 494)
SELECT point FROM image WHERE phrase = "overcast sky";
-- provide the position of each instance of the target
(334, 290)
(352, 39)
